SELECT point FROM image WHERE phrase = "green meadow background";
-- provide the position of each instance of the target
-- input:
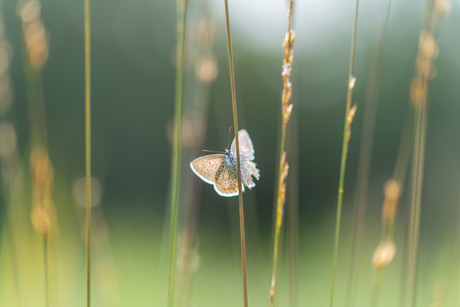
(133, 51)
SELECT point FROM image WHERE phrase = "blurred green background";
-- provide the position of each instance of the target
(132, 103)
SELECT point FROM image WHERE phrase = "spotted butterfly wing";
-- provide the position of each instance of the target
(226, 181)
(206, 167)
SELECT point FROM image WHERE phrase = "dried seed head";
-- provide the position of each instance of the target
(351, 85)
(383, 255)
(41, 166)
(418, 91)
(427, 45)
(42, 207)
(29, 11)
(351, 114)
(425, 67)
(392, 192)
(442, 6)
(41, 219)
(35, 35)
(282, 189)
(206, 69)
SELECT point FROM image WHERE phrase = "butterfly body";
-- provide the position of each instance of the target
(221, 169)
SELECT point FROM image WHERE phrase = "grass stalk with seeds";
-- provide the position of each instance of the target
(238, 160)
(176, 155)
(367, 135)
(42, 172)
(286, 110)
(424, 71)
(349, 114)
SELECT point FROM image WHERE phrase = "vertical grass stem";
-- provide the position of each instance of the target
(88, 147)
(176, 155)
(346, 135)
(238, 161)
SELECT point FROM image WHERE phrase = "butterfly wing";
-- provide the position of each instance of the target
(246, 148)
(226, 181)
(206, 167)
(248, 170)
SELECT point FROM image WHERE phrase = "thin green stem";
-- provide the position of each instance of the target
(292, 221)
(279, 218)
(45, 261)
(13, 254)
(238, 161)
(88, 147)
(346, 134)
(365, 159)
(176, 154)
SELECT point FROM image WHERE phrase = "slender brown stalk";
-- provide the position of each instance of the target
(88, 146)
(286, 110)
(424, 67)
(349, 113)
(238, 161)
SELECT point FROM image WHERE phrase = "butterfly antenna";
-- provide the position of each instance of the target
(213, 151)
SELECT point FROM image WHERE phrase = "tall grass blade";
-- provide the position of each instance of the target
(365, 153)
(349, 113)
(286, 110)
(238, 160)
(88, 146)
(427, 54)
(176, 155)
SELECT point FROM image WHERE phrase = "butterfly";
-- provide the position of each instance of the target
(221, 169)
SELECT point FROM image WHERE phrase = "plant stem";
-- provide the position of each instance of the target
(286, 110)
(238, 161)
(346, 134)
(415, 203)
(45, 261)
(88, 147)
(365, 154)
(176, 155)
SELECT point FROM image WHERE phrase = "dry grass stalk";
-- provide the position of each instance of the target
(282, 191)
(286, 110)
(424, 72)
(392, 192)
(43, 176)
(35, 35)
(288, 43)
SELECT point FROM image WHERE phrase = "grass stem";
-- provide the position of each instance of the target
(238, 160)
(45, 261)
(345, 140)
(176, 155)
(88, 147)
(367, 135)
(286, 110)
